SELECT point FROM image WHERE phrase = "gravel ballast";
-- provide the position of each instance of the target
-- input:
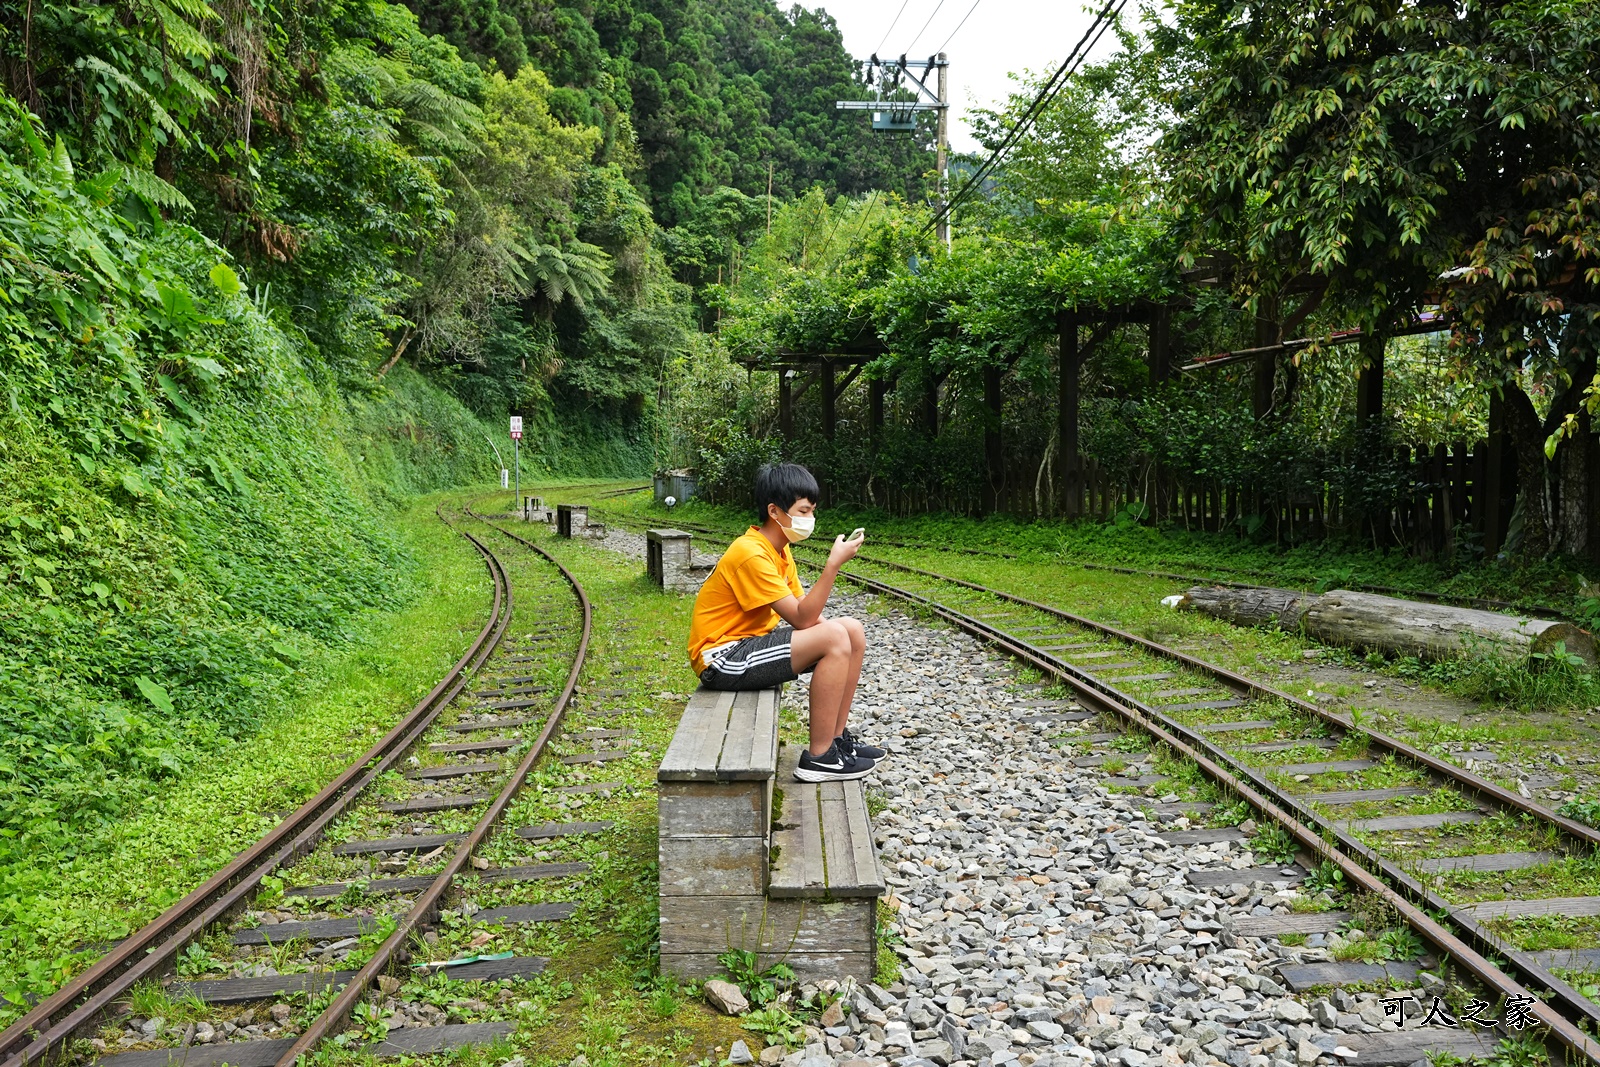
(1042, 919)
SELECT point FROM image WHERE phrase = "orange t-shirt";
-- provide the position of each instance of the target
(736, 600)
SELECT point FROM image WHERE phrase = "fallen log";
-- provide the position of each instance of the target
(1389, 624)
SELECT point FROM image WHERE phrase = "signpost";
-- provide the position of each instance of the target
(516, 461)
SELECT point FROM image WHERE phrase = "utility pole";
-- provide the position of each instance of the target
(942, 150)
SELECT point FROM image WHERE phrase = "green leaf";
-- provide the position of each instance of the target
(285, 652)
(44, 585)
(155, 694)
(172, 392)
(207, 370)
(134, 483)
(100, 589)
(177, 303)
(87, 463)
(226, 281)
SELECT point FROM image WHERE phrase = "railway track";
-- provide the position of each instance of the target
(372, 883)
(1446, 850)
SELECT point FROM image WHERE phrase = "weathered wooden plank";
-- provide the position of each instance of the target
(1505, 861)
(1300, 977)
(413, 843)
(1568, 959)
(1091, 761)
(562, 829)
(868, 874)
(242, 990)
(1066, 648)
(515, 691)
(1156, 677)
(1201, 837)
(1202, 705)
(1286, 746)
(1341, 766)
(712, 809)
(453, 770)
(1361, 796)
(493, 744)
(417, 883)
(1094, 655)
(604, 755)
(759, 924)
(233, 1053)
(1182, 807)
(425, 1040)
(1169, 694)
(382, 887)
(492, 970)
(525, 913)
(765, 752)
(490, 724)
(1404, 1047)
(1417, 822)
(837, 857)
(740, 747)
(712, 866)
(1246, 876)
(1234, 727)
(1493, 909)
(1318, 922)
(315, 930)
(692, 753)
(516, 705)
(451, 803)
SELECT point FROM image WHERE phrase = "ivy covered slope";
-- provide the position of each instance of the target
(186, 502)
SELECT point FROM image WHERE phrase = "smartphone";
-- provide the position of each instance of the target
(860, 531)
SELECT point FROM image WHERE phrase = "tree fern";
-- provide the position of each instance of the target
(161, 193)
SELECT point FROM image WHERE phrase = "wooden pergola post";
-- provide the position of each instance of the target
(829, 417)
(1493, 474)
(785, 404)
(875, 391)
(1160, 345)
(993, 446)
(1067, 414)
(1369, 383)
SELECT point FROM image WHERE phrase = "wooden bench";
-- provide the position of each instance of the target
(752, 859)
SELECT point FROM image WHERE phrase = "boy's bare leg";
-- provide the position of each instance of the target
(825, 650)
(858, 649)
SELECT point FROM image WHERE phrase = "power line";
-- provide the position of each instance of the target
(960, 24)
(892, 25)
(1080, 51)
(925, 26)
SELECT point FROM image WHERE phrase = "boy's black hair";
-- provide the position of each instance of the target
(782, 484)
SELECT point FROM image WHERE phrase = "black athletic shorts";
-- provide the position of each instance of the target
(753, 663)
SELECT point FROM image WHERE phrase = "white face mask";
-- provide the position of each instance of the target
(799, 528)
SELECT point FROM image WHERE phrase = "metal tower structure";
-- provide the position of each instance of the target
(900, 115)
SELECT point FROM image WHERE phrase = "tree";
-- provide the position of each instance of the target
(1415, 153)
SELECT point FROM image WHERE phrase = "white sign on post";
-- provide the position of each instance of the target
(505, 478)
(516, 427)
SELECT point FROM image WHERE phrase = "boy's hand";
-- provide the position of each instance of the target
(844, 551)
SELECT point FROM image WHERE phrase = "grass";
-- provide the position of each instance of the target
(345, 700)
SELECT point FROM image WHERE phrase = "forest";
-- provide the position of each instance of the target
(270, 271)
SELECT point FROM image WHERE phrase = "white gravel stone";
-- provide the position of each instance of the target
(1042, 922)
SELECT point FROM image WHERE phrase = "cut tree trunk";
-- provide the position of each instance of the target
(1389, 624)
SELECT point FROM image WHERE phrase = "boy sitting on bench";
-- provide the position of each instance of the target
(736, 641)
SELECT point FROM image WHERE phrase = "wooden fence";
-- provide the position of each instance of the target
(1449, 499)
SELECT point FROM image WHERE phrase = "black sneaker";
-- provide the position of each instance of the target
(834, 765)
(855, 748)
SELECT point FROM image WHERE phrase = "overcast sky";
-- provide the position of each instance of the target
(1000, 37)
